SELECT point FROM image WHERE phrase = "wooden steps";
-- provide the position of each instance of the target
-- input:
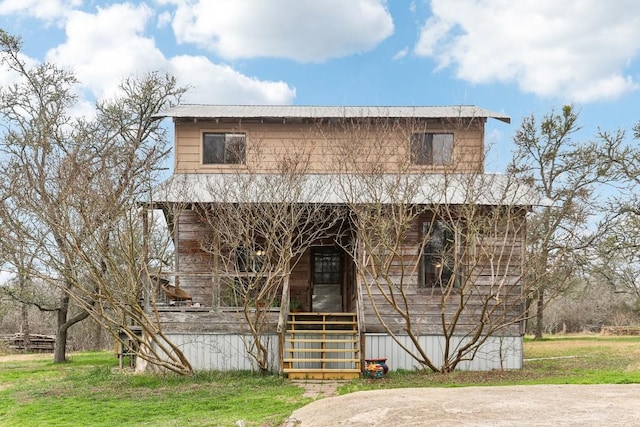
(322, 346)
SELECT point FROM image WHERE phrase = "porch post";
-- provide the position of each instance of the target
(282, 319)
(215, 277)
(362, 324)
(144, 272)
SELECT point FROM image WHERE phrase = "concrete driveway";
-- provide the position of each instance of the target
(539, 405)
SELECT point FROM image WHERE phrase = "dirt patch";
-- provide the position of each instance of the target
(319, 389)
(17, 357)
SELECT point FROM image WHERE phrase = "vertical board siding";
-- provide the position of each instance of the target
(495, 353)
(222, 352)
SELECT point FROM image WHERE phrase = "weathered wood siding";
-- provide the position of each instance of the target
(203, 321)
(329, 146)
(196, 271)
(492, 266)
(194, 266)
(491, 270)
(299, 281)
(496, 353)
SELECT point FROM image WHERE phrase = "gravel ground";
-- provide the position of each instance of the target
(539, 405)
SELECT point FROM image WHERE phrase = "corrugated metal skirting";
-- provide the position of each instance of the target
(225, 352)
(496, 352)
(222, 352)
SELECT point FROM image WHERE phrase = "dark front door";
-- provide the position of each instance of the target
(326, 279)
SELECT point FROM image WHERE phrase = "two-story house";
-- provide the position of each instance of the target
(369, 232)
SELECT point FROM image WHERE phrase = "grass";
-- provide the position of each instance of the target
(90, 391)
(580, 359)
(87, 391)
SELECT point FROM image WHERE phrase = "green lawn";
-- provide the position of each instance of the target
(580, 359)
(90, 391)
(87, 391)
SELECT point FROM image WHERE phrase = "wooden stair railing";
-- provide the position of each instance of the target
(322, 346)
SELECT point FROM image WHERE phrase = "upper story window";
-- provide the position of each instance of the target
(223, 148)
(440, 263)
(431, 148)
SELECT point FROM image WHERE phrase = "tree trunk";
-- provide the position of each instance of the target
(60, 351)
(26, 330)
(98, 343)
(539, 315)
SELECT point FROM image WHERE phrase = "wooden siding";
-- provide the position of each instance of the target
(489, 263)
(329, 146)
(497, 260)
(194, 266)
(299, 282)
(496, 353)
(189, 320)
(195, 272)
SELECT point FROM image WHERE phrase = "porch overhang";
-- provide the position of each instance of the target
(341, 189)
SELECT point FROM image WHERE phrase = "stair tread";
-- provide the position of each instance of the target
(320, 359)
(323, 322)
(321, 370)
(316, 340)
(320, 350)
(316, 332)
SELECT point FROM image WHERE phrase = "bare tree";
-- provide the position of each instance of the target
(567, 173)
(618, 261)
(34, 112)
(437, 252)
(19, 252)
(76, 183)
(260, 225)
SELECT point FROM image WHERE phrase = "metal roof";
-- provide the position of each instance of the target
(327, 112)
(455, 189)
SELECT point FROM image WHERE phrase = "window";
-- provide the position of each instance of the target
(246, 282)
(327, 266)
(440, 266)
(249, 261)
(431, 148)
(223, 148)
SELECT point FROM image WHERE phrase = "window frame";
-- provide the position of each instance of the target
(430, 259)
(226, 155)
(431, 148)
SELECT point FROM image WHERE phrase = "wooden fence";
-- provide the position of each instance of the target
(37, 343)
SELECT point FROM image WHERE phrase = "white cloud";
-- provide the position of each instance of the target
(574, 49)
(401, 54)
(220, 84)
(104, 47)
(164, 19)
(48, 10)
(302, 30)
(9, 77)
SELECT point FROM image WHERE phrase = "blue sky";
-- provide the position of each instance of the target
(515, 57)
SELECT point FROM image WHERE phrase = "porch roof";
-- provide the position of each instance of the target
(454, 189)
(202, 111)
